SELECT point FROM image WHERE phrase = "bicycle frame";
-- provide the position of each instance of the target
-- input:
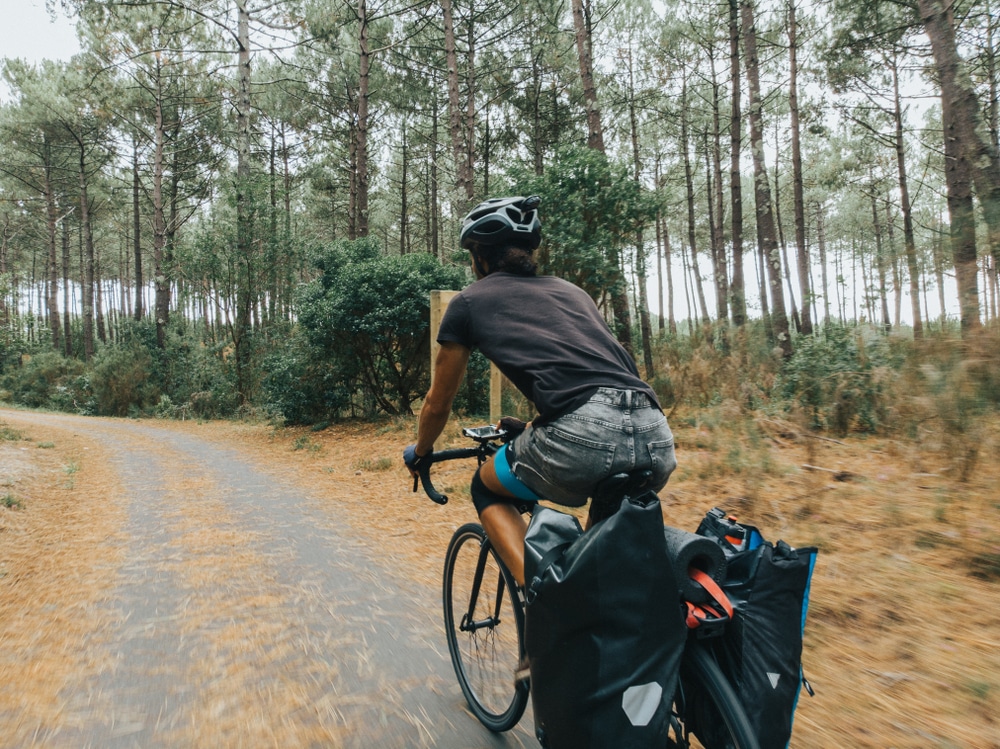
(468, 624)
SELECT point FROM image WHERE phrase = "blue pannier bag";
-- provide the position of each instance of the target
(761, 649)
(604, 631)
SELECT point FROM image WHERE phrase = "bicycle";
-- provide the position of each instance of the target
(484, 622)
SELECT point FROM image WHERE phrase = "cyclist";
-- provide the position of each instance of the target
(596, 416)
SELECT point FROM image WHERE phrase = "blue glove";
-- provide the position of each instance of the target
(412, 460)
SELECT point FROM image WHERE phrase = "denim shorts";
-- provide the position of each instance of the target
(615, 431)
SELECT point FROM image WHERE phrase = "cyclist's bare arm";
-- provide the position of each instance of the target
(449, 369)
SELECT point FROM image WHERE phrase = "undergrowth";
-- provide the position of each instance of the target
(938, 394)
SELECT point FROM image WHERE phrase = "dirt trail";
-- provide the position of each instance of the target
(220, 604)
(221, 584)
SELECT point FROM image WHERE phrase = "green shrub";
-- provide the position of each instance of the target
(368, 316)
(122, 380)
(192, 375)
(301, 385)
(952, 388)
(842, 378)
(50, 380)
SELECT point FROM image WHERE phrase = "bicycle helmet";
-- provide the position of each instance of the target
(501, 221)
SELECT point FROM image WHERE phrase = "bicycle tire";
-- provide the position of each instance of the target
(706, 706)
(485, 656)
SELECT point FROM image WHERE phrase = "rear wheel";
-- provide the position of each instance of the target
(707, 712)
(484, 620)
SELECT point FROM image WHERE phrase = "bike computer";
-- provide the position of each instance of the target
(484, 433)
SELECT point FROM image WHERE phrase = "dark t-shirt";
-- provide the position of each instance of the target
(546, 335)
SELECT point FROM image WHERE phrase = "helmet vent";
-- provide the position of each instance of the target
(491, 227)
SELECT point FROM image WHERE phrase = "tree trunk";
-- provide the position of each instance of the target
(821, 243)
(713, 230)
(737, 286)
(909, 242)
(994, 289)
(957, 88)
(537, 132)
(765, 307)
(470, 110)
(361, 154)
(245, 213)
(463, 180)
(435, 246)
(720, 263)
(671, 319)
(136, 229)
(582, 28)
(87, 272)
(99, 299)
(766, 235)
(786, 267)
(802, 251)
(993, 80)
(963, 220)
(939, 262)
(52, 267)
(689, 188)
(897, 275)
(661, 321)
(880, 263)
(645, 329)
(161, 283)
(352, 177)
(404, 208)
(67, 317)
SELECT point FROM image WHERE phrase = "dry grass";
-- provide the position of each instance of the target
(59, 555)
(903, 641)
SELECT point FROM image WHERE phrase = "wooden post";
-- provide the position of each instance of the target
(496, 405)
(439, 302)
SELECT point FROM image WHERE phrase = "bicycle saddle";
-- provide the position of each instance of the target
(610, 492)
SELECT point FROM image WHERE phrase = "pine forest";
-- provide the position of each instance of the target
(240, 207)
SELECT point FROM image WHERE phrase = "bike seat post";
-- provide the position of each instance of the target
(610, 492)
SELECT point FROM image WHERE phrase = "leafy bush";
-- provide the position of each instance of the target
(191, 374)
(368, 315)
(473, 397)
(952, 388)
(50, 380)
(122, 380)
(301, 385)
(842, 377)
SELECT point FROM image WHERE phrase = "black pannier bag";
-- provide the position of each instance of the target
(603, 628)
(761, 649)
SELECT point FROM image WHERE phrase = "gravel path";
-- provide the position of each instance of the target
(244, 614)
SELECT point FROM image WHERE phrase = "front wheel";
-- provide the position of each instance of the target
(707, 712)
(484, 620)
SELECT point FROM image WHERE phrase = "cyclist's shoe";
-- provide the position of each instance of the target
(523, 673)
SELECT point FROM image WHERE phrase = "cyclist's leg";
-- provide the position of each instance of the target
(500, 513)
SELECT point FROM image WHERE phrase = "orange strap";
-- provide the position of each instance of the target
(718, 609)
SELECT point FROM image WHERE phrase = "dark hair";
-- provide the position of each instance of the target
(508, 258)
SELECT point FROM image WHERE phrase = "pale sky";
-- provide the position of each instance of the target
(28, 32)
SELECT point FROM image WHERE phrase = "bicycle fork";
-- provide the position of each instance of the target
(469, 624)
